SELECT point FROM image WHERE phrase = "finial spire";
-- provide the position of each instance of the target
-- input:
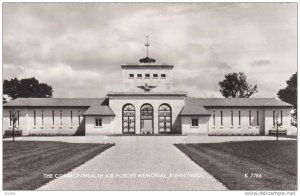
(147, 44)
(147, 59)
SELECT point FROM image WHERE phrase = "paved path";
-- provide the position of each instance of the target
(154, 157)
(133, 156)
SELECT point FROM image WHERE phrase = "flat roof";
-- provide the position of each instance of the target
(147, 94)
(147, 66)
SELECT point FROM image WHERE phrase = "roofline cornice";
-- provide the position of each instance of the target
(147, 66)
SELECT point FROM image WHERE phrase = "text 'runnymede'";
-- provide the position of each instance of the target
(124, 175)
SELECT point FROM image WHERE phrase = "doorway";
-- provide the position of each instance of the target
(147, 119)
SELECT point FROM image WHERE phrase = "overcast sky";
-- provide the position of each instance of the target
(78, 48)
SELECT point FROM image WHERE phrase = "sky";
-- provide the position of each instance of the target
(77, 48)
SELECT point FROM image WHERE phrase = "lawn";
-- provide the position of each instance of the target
(26, 162)
(250, 165)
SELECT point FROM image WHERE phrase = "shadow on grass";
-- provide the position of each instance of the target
(250, 165)
(26, 162)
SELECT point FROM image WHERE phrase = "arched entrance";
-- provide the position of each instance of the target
(147, 119)
(128, 118)
(164, 118)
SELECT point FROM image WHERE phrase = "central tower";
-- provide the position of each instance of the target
(147, 76)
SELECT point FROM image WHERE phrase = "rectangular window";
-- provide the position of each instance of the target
(195, 122)
(139, 75)
(163, 75)
(79, 118)
(155, 75)
(147, 75)
(53, 117)
(98, 122)
(60, 116)
(231, 118)
(131, 75)
(71, 116)
(18, 113)
(10, 118)
(42, 118)
(214, 118)
(239, 118)
(249, 118)
(257, 117)
(281, 118)
(221, 118)
(274, 118)
(34, 118)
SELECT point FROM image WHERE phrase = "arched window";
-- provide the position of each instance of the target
(128, 118)
(164, 118)
(147, 119)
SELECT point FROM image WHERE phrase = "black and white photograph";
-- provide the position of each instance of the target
(136, 96)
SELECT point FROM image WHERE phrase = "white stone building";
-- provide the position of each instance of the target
(148, 105)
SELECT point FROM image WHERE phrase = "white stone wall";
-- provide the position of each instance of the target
(286, 120)
(46, 126)
(117, 103)
(243, 128)
(162, 84)
(187, 127)
(22, 120)
(265, 121)
(92, 129)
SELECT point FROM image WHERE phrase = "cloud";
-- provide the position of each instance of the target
(82, 45)
(261, 63)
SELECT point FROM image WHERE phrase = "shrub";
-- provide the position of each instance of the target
(18, 132)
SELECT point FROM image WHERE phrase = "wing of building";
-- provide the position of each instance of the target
(147, 104)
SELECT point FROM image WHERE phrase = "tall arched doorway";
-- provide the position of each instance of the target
(164, 118)
(147, 119)
(128, 118)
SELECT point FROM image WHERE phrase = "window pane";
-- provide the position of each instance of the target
(221, 118)
(257, 118)
(10, 118)
(239, 118)
(155, 75)
(139, 75)
(19, 118)
(274, 118)
(250, 118)
(214, 118)
(147, 75)
(34, 118)
(53, 117)
(42, 118)
(195, 122)
(163, 75)
(231, 118)
(131, 75)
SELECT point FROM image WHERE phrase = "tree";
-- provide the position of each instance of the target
(4, 100)
(14, 119)
(277, 124)
(235, 85)
(26, 88)
(289, 95)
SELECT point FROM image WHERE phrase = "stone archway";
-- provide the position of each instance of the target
(128, 119)
(147, 119)
(164, 118)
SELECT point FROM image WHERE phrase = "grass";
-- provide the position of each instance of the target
(230, 162)
(286, 136)
(26, 162)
